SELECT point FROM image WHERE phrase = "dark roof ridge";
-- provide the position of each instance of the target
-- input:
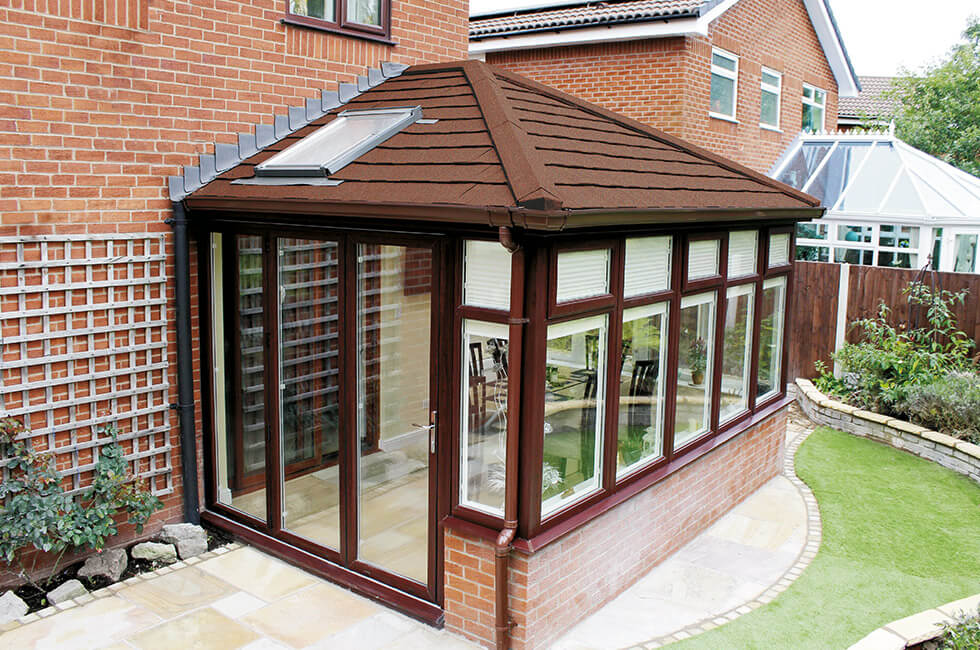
(524, 173)
(655, 133)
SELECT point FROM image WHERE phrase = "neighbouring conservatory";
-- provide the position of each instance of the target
(888, 204)
(465, 327)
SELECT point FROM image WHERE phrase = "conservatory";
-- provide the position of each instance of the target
(888, 204)
(464, 315)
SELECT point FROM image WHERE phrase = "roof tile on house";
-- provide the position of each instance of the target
(586, 15)
(503, 141)
(869, 102)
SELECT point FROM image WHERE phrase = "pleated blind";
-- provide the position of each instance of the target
(702, 258)
(486, 275)
(779, 249)
(583, 274)
(743, 246)
(647, 265)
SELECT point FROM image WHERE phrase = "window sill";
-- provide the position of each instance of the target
(767, 127)
(723, 118)
(314, 24)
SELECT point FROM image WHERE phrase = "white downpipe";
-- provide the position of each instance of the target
(842, 289)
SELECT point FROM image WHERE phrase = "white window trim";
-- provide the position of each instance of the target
(728, 74)
(776, 90)
(813, 102)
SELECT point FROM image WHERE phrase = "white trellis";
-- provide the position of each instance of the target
(83, 344)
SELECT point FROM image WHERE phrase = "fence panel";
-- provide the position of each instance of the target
(814, 316)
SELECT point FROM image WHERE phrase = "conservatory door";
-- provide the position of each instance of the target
(959, 251)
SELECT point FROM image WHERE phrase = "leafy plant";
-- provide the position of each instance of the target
(697, 356)
(36, 512)
(950, 404)
(963, 634)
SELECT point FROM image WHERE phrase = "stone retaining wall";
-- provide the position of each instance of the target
(957, 455)
(912, 631)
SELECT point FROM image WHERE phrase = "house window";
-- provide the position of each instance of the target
(724, 84)
(779, 249)
(814, 107)
(772, 89)
(742, 253)
(356, 17)
(641, 387)
(771, 338)
(647, 265)
(486, 275)
(583, 274)
(737, 351)
(694, 374)
(703, 259)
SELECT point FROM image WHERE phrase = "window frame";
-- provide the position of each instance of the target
(726, 74)
(341, 25)
(776, 90)
(812, 102)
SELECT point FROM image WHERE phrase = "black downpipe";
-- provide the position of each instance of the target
(185, 365)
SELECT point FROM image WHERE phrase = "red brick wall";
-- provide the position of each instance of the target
(667, 82)
(101, 100)
(552, 590)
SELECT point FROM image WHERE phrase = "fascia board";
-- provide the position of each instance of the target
(833, 47)
(600, 34)
(712, 14)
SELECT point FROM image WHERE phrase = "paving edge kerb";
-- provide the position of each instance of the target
(116, 586)
(958, 455)
(814, 532)
(918, 628)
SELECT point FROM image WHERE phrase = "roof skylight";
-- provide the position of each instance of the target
(350, 135)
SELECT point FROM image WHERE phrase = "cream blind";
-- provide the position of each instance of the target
(702, 258)
(779, 249)
(647, 265)
(743, 246)
(583, 274)
(486, 275)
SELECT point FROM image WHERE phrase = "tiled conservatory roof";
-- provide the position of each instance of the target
(585, 15)
(502, 142)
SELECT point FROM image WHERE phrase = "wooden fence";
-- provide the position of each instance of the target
(822, 291)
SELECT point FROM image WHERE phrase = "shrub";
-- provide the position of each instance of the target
(888, 361)
(963, 634)
(950, 404)
(37, 513)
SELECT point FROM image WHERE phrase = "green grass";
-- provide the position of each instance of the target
(900, 535)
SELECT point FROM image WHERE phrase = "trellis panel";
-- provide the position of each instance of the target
(83, 344)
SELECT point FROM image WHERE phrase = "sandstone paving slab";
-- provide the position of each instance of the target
(177, 592)
(372, 633)
(96, 624)
(204, 629)
(238, 604)
(257, 573)
(308, 616)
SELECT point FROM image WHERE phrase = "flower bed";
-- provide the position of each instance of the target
(958, 455)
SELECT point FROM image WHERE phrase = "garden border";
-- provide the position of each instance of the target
(915, 629)
(958, 455)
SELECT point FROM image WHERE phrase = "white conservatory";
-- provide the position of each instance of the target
(889, 204)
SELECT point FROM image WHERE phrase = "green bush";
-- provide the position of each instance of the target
(964, 634)
(950, 404)
(879, 371)
(37, 513)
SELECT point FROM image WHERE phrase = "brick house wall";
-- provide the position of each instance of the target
(553, 589)
(100, 101)
(667, 82)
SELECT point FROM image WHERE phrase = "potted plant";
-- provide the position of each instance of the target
(697, 360)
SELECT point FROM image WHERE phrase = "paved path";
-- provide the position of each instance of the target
(238, 597)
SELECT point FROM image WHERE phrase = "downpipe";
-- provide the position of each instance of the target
(185, 364)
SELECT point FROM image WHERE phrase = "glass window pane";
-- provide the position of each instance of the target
(779, 249)
(322, 9)
(583, 274)
(695, 363)
(898, 260)
(811, 231)
(722, 95)
(742, 253)
(769, 106)
(309, 383)
(641, 387)
(861, 234)
(575, 392)
(903, 199)
(486, 275)
(771, 337)
(702, 258)
(798, 171)
(853, 256)
(239, 352)
(770, 79)
(483, 462)
(723, 61)
(737, 348)
(813, 253)
(898, 236)
(866, 192)
(966, 253)
(365, 12)
(843, 163)
(812, 118)
(647, 265)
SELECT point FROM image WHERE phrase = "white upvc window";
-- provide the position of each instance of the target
(724, 84)
(814, 108)
(770, 102)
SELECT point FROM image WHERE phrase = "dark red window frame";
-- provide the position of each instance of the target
(380, 33)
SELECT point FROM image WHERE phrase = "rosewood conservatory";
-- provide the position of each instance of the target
(486, 352)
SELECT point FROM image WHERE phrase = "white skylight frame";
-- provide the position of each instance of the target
(282, 165)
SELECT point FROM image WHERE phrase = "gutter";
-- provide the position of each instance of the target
(185, 365)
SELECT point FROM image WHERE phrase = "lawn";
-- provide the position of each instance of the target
(900, 535)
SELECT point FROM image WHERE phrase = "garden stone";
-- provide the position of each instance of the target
(110, 563)
(155, 552)
(66, 591)
(11, 607)
(190, 540)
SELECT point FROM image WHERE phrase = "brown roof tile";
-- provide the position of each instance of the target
(504, 143)
(869, 102)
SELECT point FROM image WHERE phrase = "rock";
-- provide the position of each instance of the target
(154, 552)
(190, 540)
(67, 591)
(11, 607)
(110, 563)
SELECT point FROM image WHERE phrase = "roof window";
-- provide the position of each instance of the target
(350, 135)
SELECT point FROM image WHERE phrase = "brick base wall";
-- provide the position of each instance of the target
(553, 589)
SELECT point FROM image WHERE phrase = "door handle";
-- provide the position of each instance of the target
(431, 428)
